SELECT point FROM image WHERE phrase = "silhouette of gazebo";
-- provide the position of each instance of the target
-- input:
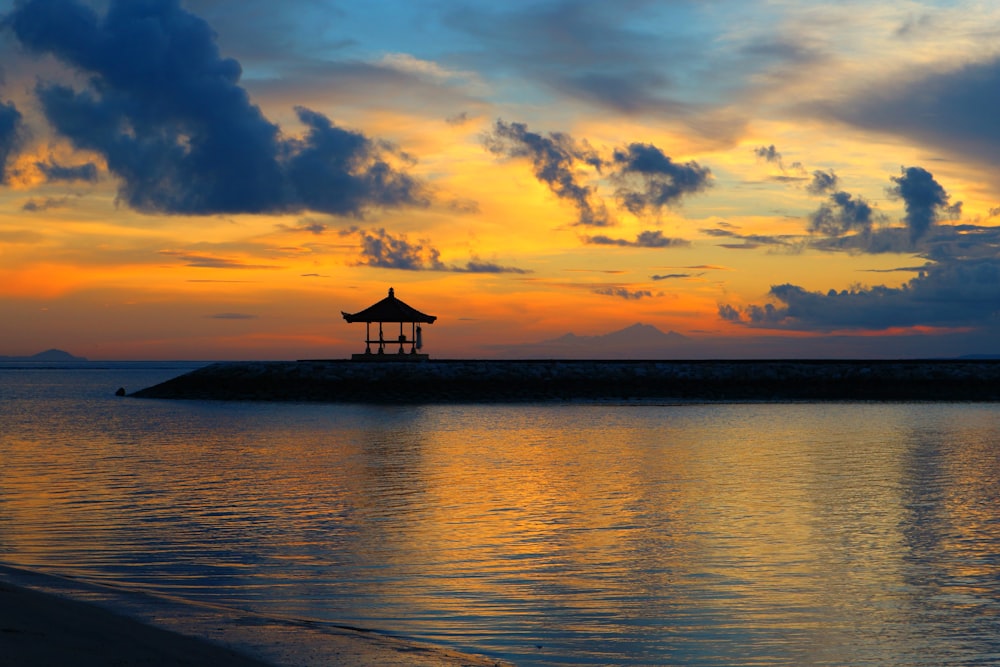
(391, 309)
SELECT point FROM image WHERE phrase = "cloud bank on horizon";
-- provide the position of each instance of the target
(825, 142)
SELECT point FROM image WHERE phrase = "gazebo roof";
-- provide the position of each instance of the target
(389, 309)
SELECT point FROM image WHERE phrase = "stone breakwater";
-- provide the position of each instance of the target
(511, 381)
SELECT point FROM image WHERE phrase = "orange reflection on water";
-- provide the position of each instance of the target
(724, 534)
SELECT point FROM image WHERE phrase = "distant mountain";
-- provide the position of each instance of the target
(47, 355)
(637, 335)
(639, 341)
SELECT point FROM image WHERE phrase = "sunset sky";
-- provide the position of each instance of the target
(211, 179)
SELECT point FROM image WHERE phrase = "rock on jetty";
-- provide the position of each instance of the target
(510, 381)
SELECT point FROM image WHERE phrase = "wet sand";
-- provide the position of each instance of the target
(42, 630)
(48, 626)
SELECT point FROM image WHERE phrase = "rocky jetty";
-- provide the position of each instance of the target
(510, 381)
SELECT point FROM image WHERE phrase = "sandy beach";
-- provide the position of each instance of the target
(43, 630)
(40, 628)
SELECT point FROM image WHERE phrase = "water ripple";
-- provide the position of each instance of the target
(834, 534)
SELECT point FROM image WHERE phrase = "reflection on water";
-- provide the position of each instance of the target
(846, 534)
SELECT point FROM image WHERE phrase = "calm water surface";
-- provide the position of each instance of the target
(739, 534)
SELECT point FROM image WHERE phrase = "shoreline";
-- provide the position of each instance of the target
(465, 381)
(50, 620)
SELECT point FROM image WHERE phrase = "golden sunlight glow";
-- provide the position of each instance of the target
(493, 243)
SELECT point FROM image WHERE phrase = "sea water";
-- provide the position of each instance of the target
(544, 534)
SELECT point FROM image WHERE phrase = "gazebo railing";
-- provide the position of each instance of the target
(414, 341)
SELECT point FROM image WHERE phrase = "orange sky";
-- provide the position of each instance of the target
(735, 133)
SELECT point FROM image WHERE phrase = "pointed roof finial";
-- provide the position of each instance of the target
(389, 309)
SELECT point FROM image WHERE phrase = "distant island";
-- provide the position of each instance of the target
(47, 355)
(638, 341)
(645, 341)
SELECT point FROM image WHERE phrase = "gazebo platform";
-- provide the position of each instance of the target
(389, 357)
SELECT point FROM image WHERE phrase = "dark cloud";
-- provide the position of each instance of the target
(232, 316)
(924, 198)
(476, 265)
(287, 37)
(842, 214)
(954, 111)
(637, 58)
(621, 93)
(785, 178)
(778, 54)
(590, 51)
(56, 172)
(460, 118)
(913, 26)
(11, 136)
(645, 239)
(948, 294)
(338, 171)
(768, 153)
(771, 155)
(35, 205)
(961, 242)
(555, 159)
(383, 250)
(646, 180)
(168, 115)
(311, 226)
(464, 206)
(672, 276)
(875, 242)
(649, 180)
(744, 241)
(847, 223)
(427, 88)
(731, 313)
(822, 182)
(211, 262)
(623, 293)
(942, 243)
